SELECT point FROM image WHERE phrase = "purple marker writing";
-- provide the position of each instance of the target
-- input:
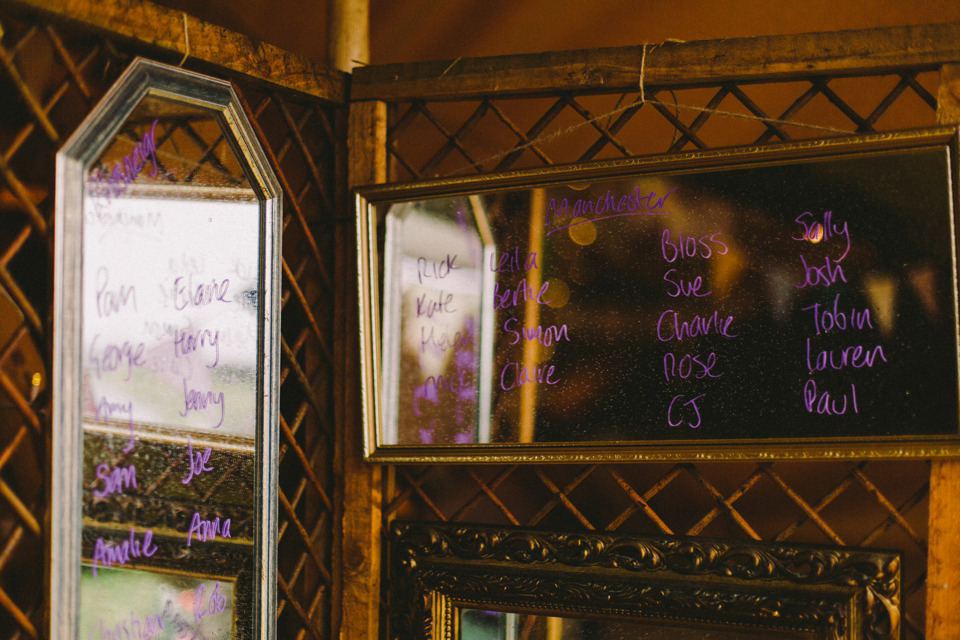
(115, 480)
(216, 603)
(106, 554)
(198, 462)
(206, 530)
(691, 403)
(194, 400)
(185, 343)
(113, 301)
(823, 403)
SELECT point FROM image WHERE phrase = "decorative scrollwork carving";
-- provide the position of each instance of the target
(700, 580)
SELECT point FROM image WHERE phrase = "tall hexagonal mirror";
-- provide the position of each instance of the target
(166, 349)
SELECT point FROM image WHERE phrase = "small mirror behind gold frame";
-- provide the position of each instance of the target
(448, 581)
(165, 367)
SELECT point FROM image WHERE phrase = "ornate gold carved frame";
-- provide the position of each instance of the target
(438, 570)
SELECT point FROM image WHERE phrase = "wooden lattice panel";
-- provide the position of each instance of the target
(53, 75)
(440, 139)
(880, 504)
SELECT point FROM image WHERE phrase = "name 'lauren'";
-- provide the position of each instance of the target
(855, 356)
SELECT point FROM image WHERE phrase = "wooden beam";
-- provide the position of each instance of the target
(156, 26)
(690, 63)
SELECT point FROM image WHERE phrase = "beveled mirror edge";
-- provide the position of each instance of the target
(837, 592)
(143, 77)
(368, 197)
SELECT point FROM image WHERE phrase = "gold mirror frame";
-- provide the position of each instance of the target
(627, 421)
(437, 570)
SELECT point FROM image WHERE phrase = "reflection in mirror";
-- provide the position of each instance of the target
(476, 624)
(176, 288)
(438, 341)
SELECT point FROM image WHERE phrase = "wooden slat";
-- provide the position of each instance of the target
(163, 28)
(358, 500)
(943, 536)
(690, 63)
(948, 105)
(943, 570)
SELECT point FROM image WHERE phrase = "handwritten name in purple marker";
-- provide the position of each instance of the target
(690, 365)
(508, 298)
(514, 375)
(113, 301)
(680, 287)
(814, 231)
(115, 479)
(435, 270)
(198, 462)
(114, 356)
(185, 342)
(823, 403)
(442, 303)
(194, 400)
(684, 414)
(460, 340)
(206, 530)
(216, 603)
(606, 206)
(105, 411)
(186, 295)
(825, 276)
(545, 337)
(137, 629)
(691, 247)
(107, 554)
(115, 181)
(459, 383)
(825, 320)
(513, 261)
(669, 326)
(854, 356)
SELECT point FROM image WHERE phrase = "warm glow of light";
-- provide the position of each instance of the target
(558, 293)
(815, 234)
(582, 231)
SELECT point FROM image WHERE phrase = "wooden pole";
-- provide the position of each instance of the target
(943, 548)
(348, 33)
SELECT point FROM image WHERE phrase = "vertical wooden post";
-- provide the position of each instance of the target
(359, 486)
(531, 317)
(348, 33)
(943, 548)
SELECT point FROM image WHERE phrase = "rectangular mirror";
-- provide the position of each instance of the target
(781, 301)
(475, 582)
(477, 624)
(166, 361)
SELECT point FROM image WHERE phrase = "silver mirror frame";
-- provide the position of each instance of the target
(143, 78)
